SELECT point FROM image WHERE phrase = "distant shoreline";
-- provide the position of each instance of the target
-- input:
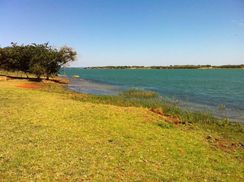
(170, 67)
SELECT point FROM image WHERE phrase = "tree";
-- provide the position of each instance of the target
(38, 70)
(66, 55)
(22, 57)
(38, 59)
(8, 59)
(50, 60)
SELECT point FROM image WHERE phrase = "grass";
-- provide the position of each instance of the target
(139, 98)
(53, 134)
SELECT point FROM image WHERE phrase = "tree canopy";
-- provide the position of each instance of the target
(38, 59)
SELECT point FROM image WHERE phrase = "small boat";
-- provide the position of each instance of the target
(76, 76)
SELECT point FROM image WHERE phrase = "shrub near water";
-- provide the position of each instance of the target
(137, 93)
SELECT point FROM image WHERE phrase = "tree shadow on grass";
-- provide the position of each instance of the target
(56, 80)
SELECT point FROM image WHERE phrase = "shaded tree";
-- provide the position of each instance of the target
(38, 59)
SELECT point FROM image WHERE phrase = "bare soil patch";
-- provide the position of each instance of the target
(166, 117)
(224, 144)
(28, 86)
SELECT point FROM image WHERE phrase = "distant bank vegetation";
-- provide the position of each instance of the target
(170, 67)
(37, 59)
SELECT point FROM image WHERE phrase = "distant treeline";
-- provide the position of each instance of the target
(37, 59)
(169, 67)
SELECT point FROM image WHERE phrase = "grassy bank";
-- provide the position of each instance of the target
(49, 133)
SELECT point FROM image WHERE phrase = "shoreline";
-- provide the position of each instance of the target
(65, 81)
(103, 89)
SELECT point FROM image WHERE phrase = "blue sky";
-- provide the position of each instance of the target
(131, 32)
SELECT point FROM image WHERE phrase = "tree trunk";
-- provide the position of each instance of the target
(38, 77)
(26, 75)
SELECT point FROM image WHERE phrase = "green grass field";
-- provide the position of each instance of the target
(48, 133)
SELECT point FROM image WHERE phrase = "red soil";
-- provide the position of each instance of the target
(225, 144)
(167, 118)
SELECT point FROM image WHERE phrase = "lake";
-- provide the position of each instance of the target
(219, 91)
